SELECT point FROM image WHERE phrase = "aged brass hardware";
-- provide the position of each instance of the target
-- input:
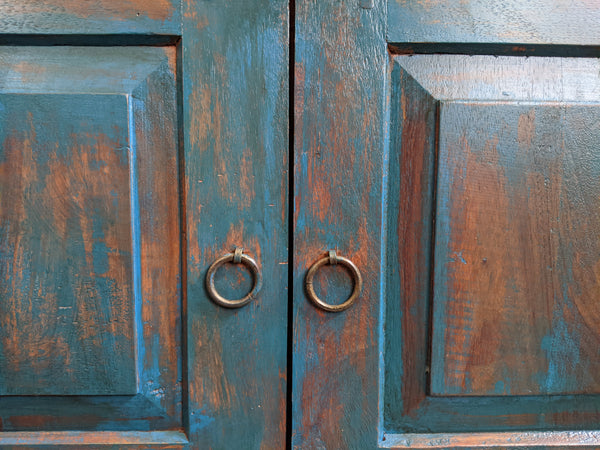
(333, 259)
(237, 257)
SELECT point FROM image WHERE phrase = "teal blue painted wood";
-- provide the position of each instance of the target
(411, 176)
(61, 17)
(66, 246)
(558, 22)
(339, 154)
(90, 241)
(235, 102)
(231, 101)
(551, 127)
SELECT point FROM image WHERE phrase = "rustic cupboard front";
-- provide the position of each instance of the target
(447, 150)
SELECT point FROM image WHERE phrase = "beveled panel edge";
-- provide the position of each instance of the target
(458, 77)
(81, 70)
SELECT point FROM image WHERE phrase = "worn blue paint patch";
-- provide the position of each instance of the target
(199, 421)
(562, 351)
(500, 388)
(100, 256)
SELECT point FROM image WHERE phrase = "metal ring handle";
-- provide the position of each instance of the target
(237, 258)
(333, 259)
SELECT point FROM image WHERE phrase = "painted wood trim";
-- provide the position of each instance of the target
(561, 22)
(100, 70)
(85, 438)
(43, 17)
(550, 439)
(339, 153)
(235, 96)
(503, 79)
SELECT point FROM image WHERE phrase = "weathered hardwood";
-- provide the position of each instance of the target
(235, 94)
(541, 440)
(516, 250)
(99, 439)
(60, 17)
(503, 274)
(492, 22)
(66, 316)
(90, 241)
(339, 157)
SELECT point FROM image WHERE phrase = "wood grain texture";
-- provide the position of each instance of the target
(505, 78)
(67, 413)
(66, 313)
(127, 185)
(90, 17)
(547, 440)
(413, 146)
(340, 76)
(95, 440)
(516, 250)
(422, 90)
(100, 70)
(488, 21)
(154, 136)
(235, 80)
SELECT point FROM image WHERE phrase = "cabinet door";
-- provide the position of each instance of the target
(455, 159)
(138, 142)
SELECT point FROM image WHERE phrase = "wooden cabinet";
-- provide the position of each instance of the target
(139, 141)
(451, 150)
(447, 149)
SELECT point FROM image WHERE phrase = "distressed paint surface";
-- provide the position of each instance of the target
(90, 17)
(100, 70)
(340, 75)
(413, 117)
(159, 326)
(541, 440)
(235, 94)
(99, 439)
(66, 295)
(108, 202)
(488, 21)
(516, 250)
(431, 94)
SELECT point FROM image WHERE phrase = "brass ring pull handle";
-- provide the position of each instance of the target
(333, 259)
(237, 257)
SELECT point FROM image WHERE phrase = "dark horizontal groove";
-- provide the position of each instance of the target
(576, 51)
(92, 40)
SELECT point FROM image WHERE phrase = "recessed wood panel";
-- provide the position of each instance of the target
(516, 302)
(90, 243)
(67, 305)
(492, 300)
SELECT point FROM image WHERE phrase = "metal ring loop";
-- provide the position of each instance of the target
(333, 258)
(233, 257)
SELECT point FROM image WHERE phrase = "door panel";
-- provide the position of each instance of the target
(90, 242)
(66, 304)
(485, 334)
(235, 91)
(491, 181)
(105, 148)
(338, 169)
(492, 255)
